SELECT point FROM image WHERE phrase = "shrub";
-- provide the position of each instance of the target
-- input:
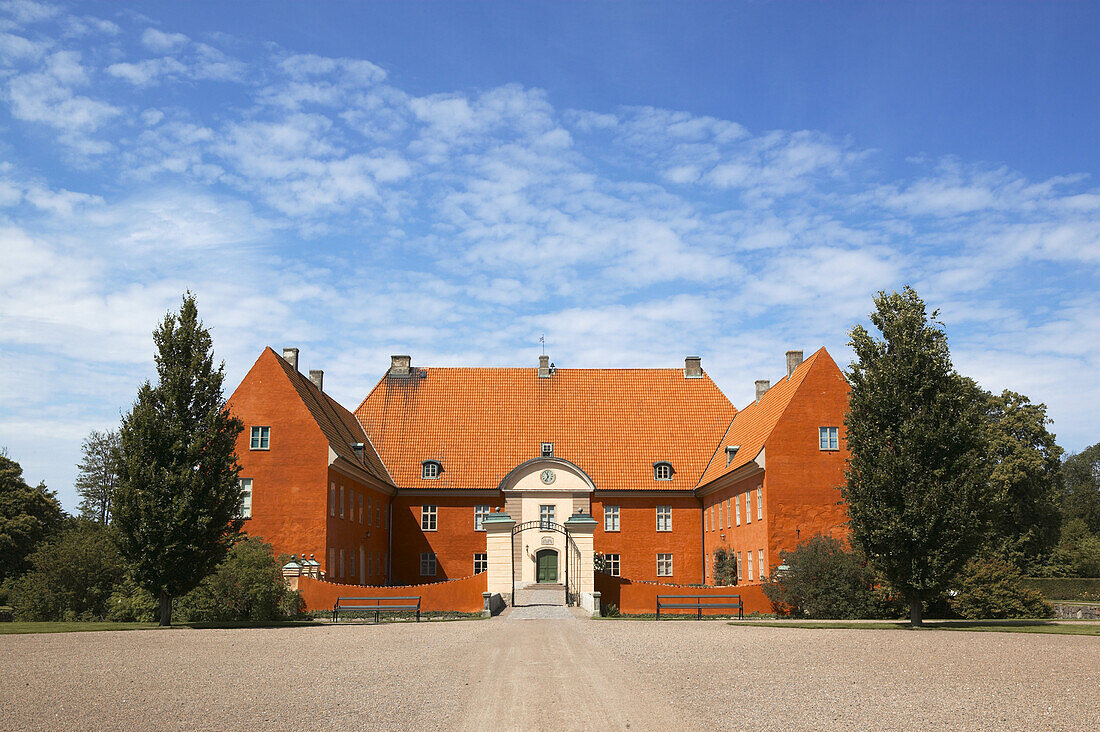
(131, 602)
(248, 585)
(71, 578)
(990, 587)
(725, 567)
(824, 579)
(609, 610)
(1065, 588)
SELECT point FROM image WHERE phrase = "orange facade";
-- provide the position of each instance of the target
(349, 488)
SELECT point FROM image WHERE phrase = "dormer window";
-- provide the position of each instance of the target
(662, 470)
(731, 451)
(431, 469)
(548, 449)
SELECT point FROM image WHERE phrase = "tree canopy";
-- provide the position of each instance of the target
(1081, 487)
(97, 475)
(28, 515)
(178, 496)
(917, 485)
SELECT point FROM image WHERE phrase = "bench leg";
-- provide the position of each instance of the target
(700, 614)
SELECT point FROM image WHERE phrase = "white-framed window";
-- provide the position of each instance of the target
(759, 503)
(428, 564)
(361, 508)
(341, 501)
(662, 471)
(260, 438)
(547, 449)
(546, 516)
(664, 518)
(331, 499)
(342, 563)
(828, 438)
(719, 515)
(481, 562)
(760, 562)
(610, 518)
(430, 469)
(611, 564)
(738, 567)
(664, 565)
(748, 507)
(428, 516)
(748, 564)
(480, 514)
(729, 514)
(737, 508)
(246, 498)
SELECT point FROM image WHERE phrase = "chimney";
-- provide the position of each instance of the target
(401, 366)
(693, 367)
(290, 355)
(544, 367)
(794, 358)
(317, 377)
(762, 385)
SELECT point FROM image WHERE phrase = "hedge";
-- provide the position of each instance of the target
(1065, 588)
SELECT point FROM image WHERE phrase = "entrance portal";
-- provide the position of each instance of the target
(547, 563)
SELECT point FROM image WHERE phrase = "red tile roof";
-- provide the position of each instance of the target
(482, 422)
(339, 426)
(751, 426)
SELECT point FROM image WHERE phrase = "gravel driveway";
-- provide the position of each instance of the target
(548, 674)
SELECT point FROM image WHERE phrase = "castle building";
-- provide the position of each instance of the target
(525, 473)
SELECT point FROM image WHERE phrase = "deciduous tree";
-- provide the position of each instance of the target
(917, 485)
(28, 515)
(178, 495)
(1081, 487)
(97, 475)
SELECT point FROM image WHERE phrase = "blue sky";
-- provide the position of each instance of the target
(636, 181)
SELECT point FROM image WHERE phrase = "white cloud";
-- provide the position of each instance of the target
(160, 42)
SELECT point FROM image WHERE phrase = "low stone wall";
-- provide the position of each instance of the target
(640, 598)
(1077, 611)
(460, 595)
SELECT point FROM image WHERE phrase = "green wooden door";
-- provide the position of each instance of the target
(547, 566)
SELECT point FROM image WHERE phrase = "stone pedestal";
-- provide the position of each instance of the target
(580, 526)
(498, 550)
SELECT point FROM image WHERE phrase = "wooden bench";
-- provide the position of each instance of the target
(696, 602)
(376, 605)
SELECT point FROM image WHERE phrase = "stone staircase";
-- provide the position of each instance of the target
(540, 594)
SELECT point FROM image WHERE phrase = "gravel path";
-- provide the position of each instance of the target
(548, 674)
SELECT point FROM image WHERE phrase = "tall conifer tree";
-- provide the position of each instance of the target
(917, 488)
(178, 496)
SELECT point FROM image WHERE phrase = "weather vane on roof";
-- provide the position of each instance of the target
(542, 340)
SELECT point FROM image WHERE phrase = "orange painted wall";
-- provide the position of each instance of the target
(802, 487)
(750, 536)
(460, 595)
(288, 481)
(638, 542)
(347, 533)
(454, 542)
(638, 598)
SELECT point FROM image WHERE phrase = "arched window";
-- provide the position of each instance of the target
(662, 470)
(431, 469)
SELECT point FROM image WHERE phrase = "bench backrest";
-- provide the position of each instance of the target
(698, 598)
(379, 600)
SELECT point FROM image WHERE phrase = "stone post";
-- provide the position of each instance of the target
(580, 526)
(291, 572)
(498, 550)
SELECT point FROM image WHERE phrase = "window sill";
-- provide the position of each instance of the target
(259, 449)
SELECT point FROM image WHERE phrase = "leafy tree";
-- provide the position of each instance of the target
(1081, 487)
(71, 577)
(991, 587)
(1077, 554)
(725, 568)
(822, 578)
(178, 493)
(917, 485)
(28, 515)
(98, 475)
(248, 585)
(131, 603)
(1025, 465)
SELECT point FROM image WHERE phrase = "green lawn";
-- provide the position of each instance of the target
(1064, 627)
(77, 627)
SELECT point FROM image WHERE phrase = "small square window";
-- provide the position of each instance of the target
(548, 449)
(480, 514)
(481, 563)
(664, 565)
(428, 515)
(246, 498)
(261, 438)
(828, 438)
(664, 518)
(610, 518)
(428, 564)
(611, 564)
